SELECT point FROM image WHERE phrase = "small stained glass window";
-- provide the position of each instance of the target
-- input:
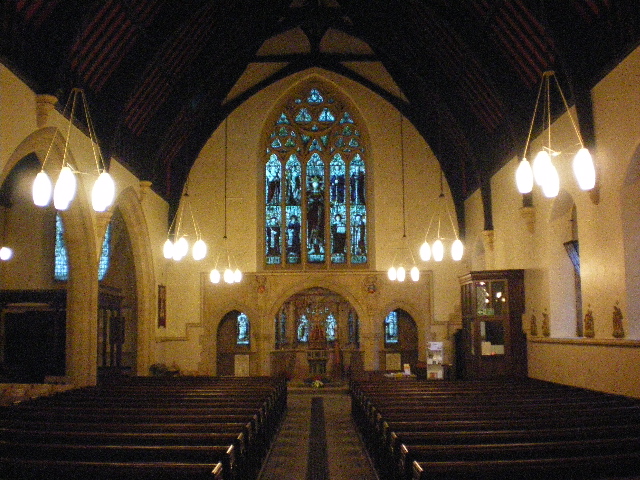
(242, 323)
(391, 328)
(61, 265)
(103, 265)
(330, 327)
(303, 329)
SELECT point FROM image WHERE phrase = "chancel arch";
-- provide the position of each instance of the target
(316, 332)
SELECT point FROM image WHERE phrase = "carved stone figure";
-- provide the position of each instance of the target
(533, 326)
(589, 331)
(546, 328)
(618, 329)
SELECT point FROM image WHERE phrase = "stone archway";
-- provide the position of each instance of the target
(317, 334)
(400, 341)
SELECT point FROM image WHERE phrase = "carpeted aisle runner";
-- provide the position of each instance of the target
(317, 441)
(317, 461)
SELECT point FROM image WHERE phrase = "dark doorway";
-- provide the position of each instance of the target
(34, 345)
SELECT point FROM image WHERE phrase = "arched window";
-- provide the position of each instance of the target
(315, 185)
(303, 329)
(391, 328)
(61, 255)
(242, 323)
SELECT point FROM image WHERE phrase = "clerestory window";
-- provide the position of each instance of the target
(315, 185)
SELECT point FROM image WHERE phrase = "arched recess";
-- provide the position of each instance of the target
(128, 203)
(630, 213)
(233, 349)
(214, 313)
(81, 240)
(401, 340)
(316, 331)
(564, 294)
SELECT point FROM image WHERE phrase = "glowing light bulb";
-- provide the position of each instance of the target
(214, 276)
(524, 177)
(42, 189)
(415, 274)
(425, 252)
(392, 274)
(438, 250)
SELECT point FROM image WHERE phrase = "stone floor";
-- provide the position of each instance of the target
(290, 457)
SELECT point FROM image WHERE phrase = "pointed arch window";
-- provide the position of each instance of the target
(61, 254)
(315, 185)
(391, 328)
(242, 323)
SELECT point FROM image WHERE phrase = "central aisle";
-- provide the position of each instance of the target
(318, 441)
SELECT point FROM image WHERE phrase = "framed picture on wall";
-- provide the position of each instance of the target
(162, 306)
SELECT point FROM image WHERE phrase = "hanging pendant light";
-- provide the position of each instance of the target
(167, 249)
(435, 251)
(544, 171)
(199, 250)
(230, 275)
(103, 192)
(42, 189)
(214, 276)
(6, 253)
(584, 169)
(64, 191)
(524, 177)
(392, 274)
(399, 273)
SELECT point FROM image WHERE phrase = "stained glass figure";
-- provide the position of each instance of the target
(303, 329)
(391, 328)
(357, 180)
(293, 181)
(338, 234)
(61, 257)
(315, 209)
(243, 329)
(273, 237)
(105, 254)
(274, 180)
(330, 326)
(358, 237)
(294, 244)
(337, 180)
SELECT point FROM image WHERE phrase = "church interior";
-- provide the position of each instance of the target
(322, 192)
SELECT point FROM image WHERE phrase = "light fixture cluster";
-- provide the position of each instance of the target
(230, 274)
(65, 187)
(542, 172)
(435, 249)
(179, 247)
(399, 273)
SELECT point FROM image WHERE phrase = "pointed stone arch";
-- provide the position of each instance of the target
(129, 204)
(80, 237)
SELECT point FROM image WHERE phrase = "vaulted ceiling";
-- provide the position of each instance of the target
(161, 75)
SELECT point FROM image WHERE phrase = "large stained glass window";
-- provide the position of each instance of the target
(315, 184)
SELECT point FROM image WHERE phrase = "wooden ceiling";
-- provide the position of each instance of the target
(158, 73)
